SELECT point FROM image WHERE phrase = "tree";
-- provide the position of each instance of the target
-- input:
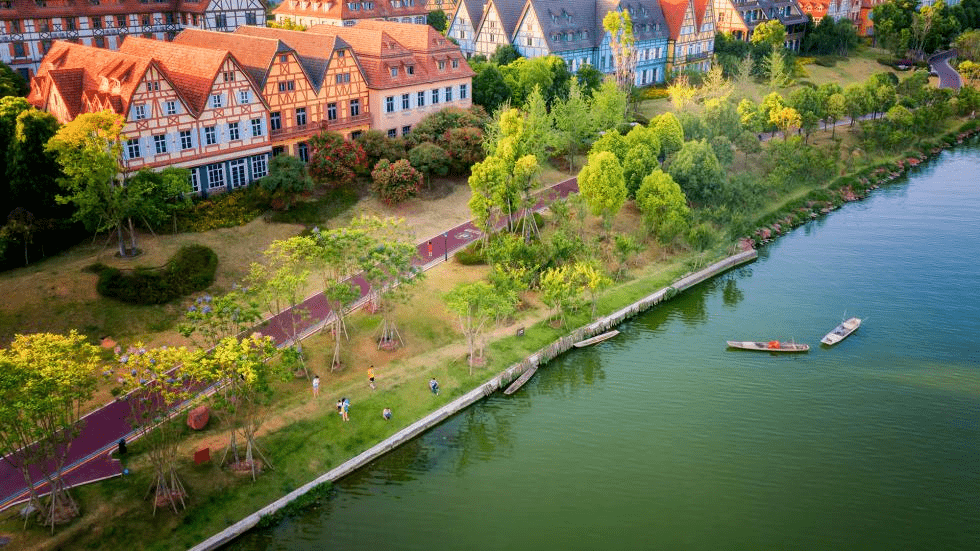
(156, 380)
(286, 23)
(602, 184)
(505, 54)
(434, 126)
(489, 88)
(465, 147)
(278, 282)
(558, 290)
(538, 135)
(624, 247)
(333, 159)
(751, 116)
(715, 86)
(932, 28)
(640, 161)
(589, 79)
(786, 119)
(608, 106)
(88, 150)
(377, 145)
(428, 158)
(437, 20)
(775, 66)
(771, 33)
(157, 197)
(772, 103)
(476, 305)
(834, 111)
(395, 182)
(32, 172)
(287, 179)
(389, 272)
(591, 280)
(245, 371)
(968, 44)
(663, 206)
(857, 100)
(523, 74)
(45, 381)
(11, 83)
(670, 132)
(809, 104)
(681, 92)
(698, 172)
(622, 42)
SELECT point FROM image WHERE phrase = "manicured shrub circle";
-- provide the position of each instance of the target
(190, 270)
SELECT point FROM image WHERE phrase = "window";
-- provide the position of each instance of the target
(256, 127)
(244, 97)
(340, 53)
(405, 101)
(249, 18)
(410, 69)
(152, 86)
(185, 139)
(389, 104)
(394, 71)
(139, 111)
(216, 101)
(275, 121)
(331, 111)
(133, 149)
(442, 64)
(228, 76)
(216, 176)
(287, 86)
(303, 152)
(278, 150)
(449, 93)
(160, 144)
(301, 116)
(220, 20)
(392, 132)
(19, 50)
(170, 107)
(120, 21)
(233, 131)
(462, 91)
(406, 130)
(530, 41)
(420, 99)
(419, 20)
(210, 135)
(355, 107)
(435, 96)
(195, 181)
(455, 63)
(145, 19)
(343, 78)
(260, 166)
(237, 170)
(283, 58)
(100, 42)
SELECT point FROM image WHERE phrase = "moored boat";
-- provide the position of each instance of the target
(841, 332)
(769, 346)
(596, 339)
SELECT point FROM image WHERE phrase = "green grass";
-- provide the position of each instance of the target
(320, 210)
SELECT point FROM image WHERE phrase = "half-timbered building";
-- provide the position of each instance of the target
(28, 28)
(787, 12)
(691, 25)
(188, 107)
(728, 19)
(462, 24)
(349, 12)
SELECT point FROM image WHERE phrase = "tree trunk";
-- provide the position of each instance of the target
(132, 237)
(122, 244)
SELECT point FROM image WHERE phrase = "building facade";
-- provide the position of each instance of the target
(787, 12)
(28, 28)
(347, 13)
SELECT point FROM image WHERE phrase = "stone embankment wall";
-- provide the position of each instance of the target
(497, 382)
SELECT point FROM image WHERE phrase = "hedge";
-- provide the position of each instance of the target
(191, 269)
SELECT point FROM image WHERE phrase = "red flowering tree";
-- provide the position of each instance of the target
(395, 182)
(333, 159)
(465, 146)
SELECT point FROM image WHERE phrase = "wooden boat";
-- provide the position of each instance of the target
(770, 346)
(841, 332)
(525, 377)
(596, 339)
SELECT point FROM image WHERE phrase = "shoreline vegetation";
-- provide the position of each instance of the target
(305, 437)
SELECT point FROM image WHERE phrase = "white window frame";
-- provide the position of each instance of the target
(212, 170)
(244, 97)
(239, 177)
(139, 111)
(171, 107)
(160, 144)
(260, 166)
(216, 101)
(234, 131)
(186, 141)
(210, 136)
(256, 128)
(133, 149)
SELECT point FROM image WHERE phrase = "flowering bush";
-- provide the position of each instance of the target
(395, 182)
(333, 159)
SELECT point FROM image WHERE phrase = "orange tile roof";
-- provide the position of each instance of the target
(339, 9)
(191, 69)
(25, 9)
(700, 9)
(674, 11)
(255, 53)
(314, 50)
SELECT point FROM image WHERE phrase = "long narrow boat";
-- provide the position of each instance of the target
(596, 339)
(770, 346)
(525, 377)
(841, 332)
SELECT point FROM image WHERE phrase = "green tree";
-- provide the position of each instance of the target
(32, 171)
(11, 83)
(429, 159)
(590, 280)
(834, 111)
(389, 272)
(558, 290)
(45, 381)
(573, 122)
(857, 100)
(640, 161)
(286, 180)
(333, 159)
(212, 318)
(377, 145)
(772, 103)
(771, 33)
(967, 44)
(476, 305)
(808, 102)
(395, 182)
(589, 79)
(624, 247)
(465, 147)
(157, 197)
(893, 23)
(154, 380)
(489, 88)
(622, 42)
(670, 132)
(775, 67)
(523, 74)
(698, 172)
(603, 186)
(613, 142)
(505, 54)
(681, 92)
(608, 106)
(433, 127)
(10, 108)
(437, 20)
(663, 206)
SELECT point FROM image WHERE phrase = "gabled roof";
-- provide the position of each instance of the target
(674, 12)
(700, 10)
(313, 49)
(256, 54)
(191, 69)
(509, 12)
(573, 22)
(473, 9)
(341, 9)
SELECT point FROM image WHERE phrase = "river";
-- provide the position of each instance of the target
(663, 439)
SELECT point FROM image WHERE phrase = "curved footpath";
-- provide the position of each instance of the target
(486, 389)
(948, 77)
(89, 459)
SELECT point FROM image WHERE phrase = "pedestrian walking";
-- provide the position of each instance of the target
(371, 377)
(430, 249)
(434, 385)
(316, 386)
(345, 413)
(386, 414)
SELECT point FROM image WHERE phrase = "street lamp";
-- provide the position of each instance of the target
(445, 245)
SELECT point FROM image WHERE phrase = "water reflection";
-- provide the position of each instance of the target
(731, 295)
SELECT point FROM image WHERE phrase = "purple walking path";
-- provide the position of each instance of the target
(89, 456)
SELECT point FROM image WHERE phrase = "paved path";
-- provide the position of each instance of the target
(948, 77)
(89, 459)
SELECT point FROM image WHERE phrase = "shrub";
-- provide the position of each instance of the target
(395, 182)
(226, 210)
(471, 255)
(191, 269)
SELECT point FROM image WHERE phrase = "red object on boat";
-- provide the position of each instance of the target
(198, 417)
(773, 344)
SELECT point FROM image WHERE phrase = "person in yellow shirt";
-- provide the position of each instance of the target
(371, 376)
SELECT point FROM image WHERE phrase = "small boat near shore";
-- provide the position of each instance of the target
(596, 339)
(769, 346)
(841, 332)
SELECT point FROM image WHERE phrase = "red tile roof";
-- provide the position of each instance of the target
(674, 11)
(340, 9)
(315, 50)
(191, 69)
(255, 53)
(700, 9)
(24, 9)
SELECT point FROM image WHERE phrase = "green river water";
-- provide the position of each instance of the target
(664, 439)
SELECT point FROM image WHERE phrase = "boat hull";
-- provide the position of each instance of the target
(771, 346)
(841, 332)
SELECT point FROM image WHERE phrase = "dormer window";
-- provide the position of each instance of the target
(455, 63)
(442, 64)
(394, 72)
(340, 53)
(410, 69)
(283, 58)
(353, 6)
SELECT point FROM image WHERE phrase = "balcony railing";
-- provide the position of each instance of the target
(697, 57)
(314, 127)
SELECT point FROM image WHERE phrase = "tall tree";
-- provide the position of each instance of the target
(388, 267)
(45, 381)
(622, 42)
(663, 206)
(32, 172)
(287, 179)
(697, 170)
(809, 104)
(573, 122)
(476, 305)
(858, 101)
(608, 106)
(602, 184)
(489, 88)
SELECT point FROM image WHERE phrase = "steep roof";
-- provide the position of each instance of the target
(255, 53)
(191, 69)
(341, 9)
(25, 9)
(509, 12)
(674, 11)
(474, 9)
(566, 24)
(313, 49)
(700, 9)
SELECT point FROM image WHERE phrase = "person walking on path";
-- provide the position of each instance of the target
(386, 414)
(434, 385)
(316, 386)
(345, 409)
(371, 377)
(430, 249)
